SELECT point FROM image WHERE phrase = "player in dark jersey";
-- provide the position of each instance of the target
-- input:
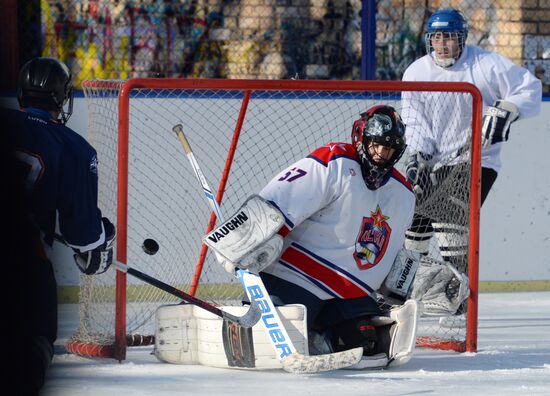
(55, 171)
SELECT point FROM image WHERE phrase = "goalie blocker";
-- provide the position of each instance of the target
(249, 238)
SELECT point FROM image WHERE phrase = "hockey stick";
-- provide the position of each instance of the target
(249, 319)
(291, 360)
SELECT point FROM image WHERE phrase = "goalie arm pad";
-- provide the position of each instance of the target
(249, 238)
(496, 122)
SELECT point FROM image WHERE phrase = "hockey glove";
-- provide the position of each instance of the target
(419, 174)
(440, 287)
(256, 260)
(98, 260)
(496, 122)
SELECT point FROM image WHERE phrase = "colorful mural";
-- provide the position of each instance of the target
(321, 39)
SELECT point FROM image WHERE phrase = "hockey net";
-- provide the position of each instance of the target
(242, 133)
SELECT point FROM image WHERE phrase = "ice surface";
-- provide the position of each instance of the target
(513, 358)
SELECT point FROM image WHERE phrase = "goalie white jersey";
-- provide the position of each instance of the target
(340, 237)
(495, 76)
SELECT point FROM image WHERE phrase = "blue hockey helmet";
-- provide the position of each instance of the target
(446, 21)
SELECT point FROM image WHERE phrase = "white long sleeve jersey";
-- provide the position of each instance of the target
(439, 124)
(341, 238)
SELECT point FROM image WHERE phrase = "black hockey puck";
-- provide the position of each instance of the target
(150, 246)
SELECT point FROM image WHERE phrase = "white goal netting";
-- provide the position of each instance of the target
(165, 202)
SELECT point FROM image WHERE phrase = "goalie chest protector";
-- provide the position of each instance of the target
(342, 237)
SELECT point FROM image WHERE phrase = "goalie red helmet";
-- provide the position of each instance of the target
(45, 83)
(379, 137)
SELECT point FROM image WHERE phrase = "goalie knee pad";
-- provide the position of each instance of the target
(396, 337)
(371, 334)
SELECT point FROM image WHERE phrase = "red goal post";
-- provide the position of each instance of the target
(242, 132)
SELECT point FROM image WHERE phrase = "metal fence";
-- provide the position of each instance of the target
(274, 39)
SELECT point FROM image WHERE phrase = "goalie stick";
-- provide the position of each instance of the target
(291, 360)
(249, 319)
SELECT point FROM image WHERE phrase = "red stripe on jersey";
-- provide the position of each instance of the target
(284, 231)
(334, 150)
(400, 178)
(323, 274)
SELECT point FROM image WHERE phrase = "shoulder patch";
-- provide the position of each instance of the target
(332, 151)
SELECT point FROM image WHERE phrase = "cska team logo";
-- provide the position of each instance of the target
(372, 240)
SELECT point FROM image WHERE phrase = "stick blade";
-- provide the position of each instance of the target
(304, 364)
(251, 317)
(238, 345)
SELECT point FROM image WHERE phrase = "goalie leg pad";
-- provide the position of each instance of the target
(372, 333)
(176, 334)
(397, 335)
(403, 337)
(187, 334)
(367, 332)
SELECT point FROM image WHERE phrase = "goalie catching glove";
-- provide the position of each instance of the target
(438, 285)
(98, 260)
(496, 122)
(248, 239)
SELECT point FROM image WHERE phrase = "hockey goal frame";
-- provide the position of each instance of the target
(121, 339)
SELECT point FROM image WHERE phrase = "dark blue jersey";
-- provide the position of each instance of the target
(60, 170)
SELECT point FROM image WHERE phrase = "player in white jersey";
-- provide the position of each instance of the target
(509, 92)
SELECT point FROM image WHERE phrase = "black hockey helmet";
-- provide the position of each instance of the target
(379, 124)
(46, 83)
